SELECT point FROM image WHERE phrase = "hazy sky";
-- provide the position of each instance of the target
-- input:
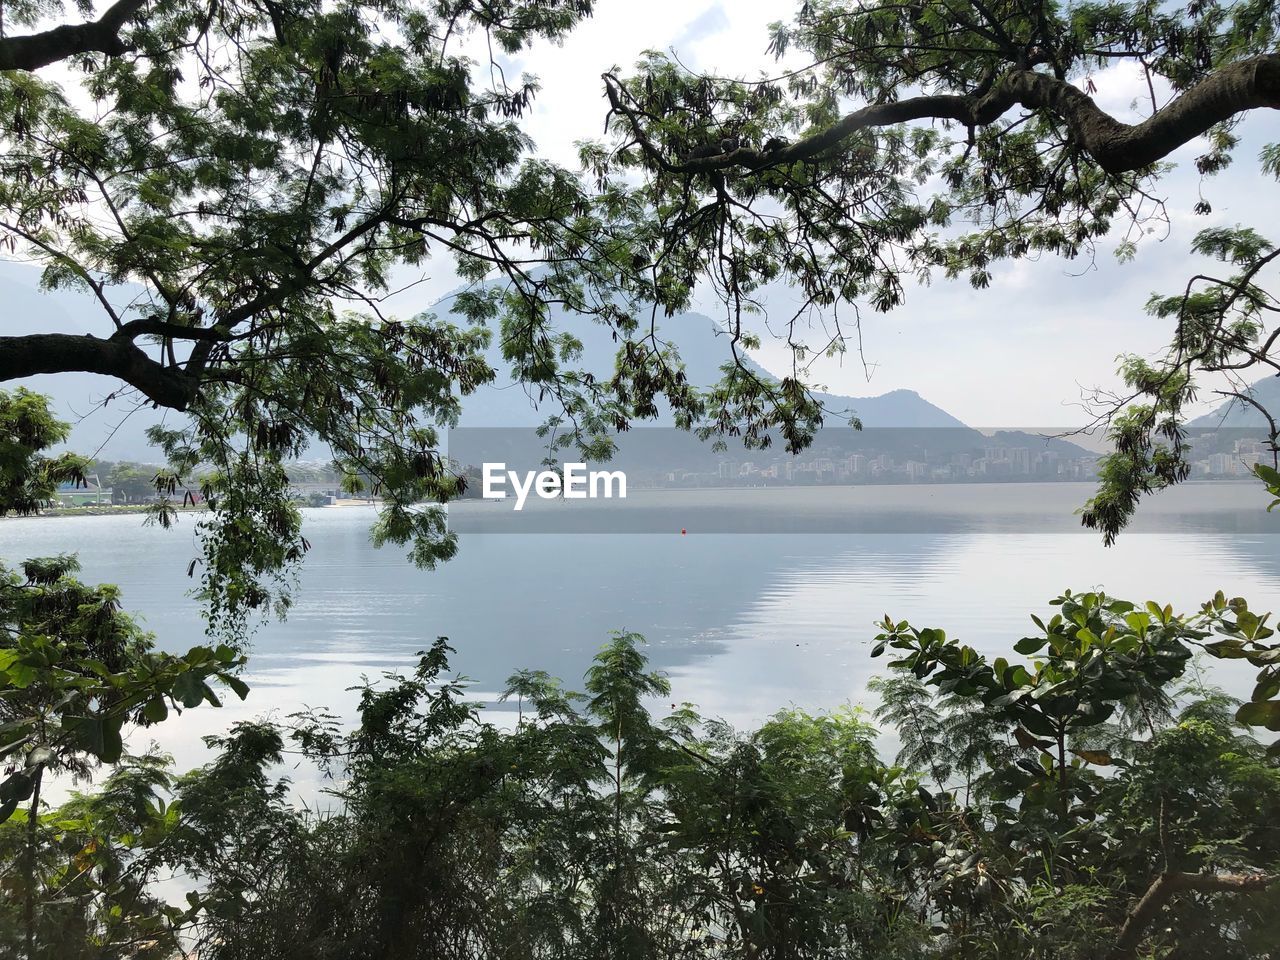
(1018, 351)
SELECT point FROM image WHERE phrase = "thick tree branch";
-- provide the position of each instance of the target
(115, 357)
(51, 46)
(1116, 146)
(153, 326)
(1164, 887)
(118, 356)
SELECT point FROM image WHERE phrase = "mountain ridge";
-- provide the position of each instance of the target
(118, 430)
(1235, 413)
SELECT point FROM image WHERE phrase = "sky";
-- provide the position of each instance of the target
(1018, 354)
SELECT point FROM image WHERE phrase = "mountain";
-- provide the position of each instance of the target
(114, 427)
(704, 347)
(1236, 413)
(900, 422)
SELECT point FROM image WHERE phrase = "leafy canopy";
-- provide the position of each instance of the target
(594, 824)
(74, 668)
(237, 184)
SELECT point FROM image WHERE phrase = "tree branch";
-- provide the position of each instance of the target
(1172, 882)
(154, 326)
(1273, 434)
(50, 46)
(115, 357)
(1116, 146)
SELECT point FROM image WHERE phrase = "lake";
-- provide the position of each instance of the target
(743, 623)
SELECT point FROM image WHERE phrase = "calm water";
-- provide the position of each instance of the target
(742, 623)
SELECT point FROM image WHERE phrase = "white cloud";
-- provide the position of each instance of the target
(709, 23)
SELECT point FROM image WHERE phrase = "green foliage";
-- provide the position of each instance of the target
(1220, 328)
(243, 176)
(28, 478)
(588, 825)
(75, 671)
(130, 482)
(1270, 478)
(94, 894)
(1245, 635)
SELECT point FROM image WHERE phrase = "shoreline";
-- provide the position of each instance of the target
(137, 509)
(645, 493)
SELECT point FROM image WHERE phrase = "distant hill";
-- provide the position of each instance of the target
(1233, 412)
(703, 347)
(118, 430)
(900, 421)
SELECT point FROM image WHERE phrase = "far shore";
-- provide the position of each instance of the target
(117, 509)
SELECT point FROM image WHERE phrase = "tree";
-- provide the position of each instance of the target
(594, 827)
(29, 479)
(234, 184)
(1177, 819)
(899, 140)
(130, 482)
(95, 895)
(74, 669)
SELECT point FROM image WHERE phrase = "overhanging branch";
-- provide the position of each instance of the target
(51, 46)
(115, 357)
(1116, 146)
(1164, 887)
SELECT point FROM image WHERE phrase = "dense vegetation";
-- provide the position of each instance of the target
(1101, 806)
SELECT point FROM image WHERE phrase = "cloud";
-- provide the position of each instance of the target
(709, 23)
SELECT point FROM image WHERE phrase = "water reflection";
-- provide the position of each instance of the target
(743, 624)
(805, 639)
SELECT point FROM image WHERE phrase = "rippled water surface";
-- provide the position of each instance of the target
(742, 623)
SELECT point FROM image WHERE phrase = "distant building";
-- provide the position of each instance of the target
(1221, 465)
